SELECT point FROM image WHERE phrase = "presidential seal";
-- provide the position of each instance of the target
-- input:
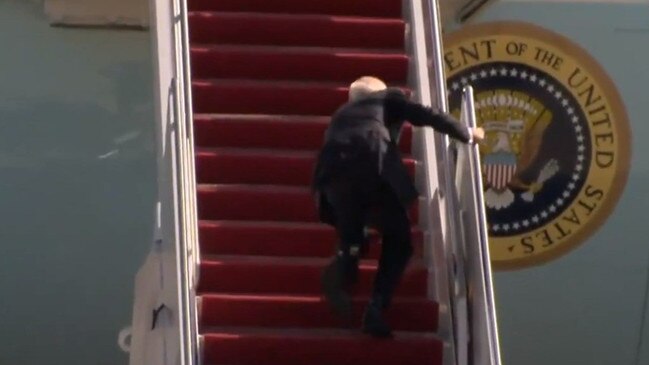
(557, 149)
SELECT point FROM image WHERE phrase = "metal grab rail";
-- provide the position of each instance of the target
(185, 177)
(446, 167)
(481, 321)
(176, 211)
(438, 185)
(464, 282)
(189, 153)
(423, 78)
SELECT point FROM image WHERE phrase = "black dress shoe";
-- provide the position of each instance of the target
(373, 322)
(334, 282)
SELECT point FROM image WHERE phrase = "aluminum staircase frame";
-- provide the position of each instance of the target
(452, 190)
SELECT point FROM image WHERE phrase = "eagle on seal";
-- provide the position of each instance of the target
(515, 126)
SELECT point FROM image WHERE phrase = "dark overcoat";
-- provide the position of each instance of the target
(361, 143)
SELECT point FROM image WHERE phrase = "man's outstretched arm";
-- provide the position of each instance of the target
(400, 107)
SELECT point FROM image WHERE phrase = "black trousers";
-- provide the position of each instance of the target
(356, 205)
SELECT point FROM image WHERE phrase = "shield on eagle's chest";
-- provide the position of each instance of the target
(499, 169)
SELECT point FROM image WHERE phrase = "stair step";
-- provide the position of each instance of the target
(268, 97)
(375, 8)
(233, 96)
(266, 77)
(267, 131)
(261, 202)
(281, 239)
(260, 166)
(274, 275)
(291, 63)
(405, 314)
(324, 347)
(292, 30)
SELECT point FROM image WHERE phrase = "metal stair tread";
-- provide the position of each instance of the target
(272, 224)
(301, 16)
(324, 333)
(243, 151)
(269, 224)
(305, 298)
(342, 51)
(255, 188)
(274, 152)
(274, 83)
(415, 263)
(265, 117)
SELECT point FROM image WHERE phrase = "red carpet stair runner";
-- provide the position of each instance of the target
(266, 76)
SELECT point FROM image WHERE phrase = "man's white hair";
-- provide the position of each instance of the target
(365, 86)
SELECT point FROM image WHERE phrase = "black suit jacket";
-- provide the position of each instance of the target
(361, 143)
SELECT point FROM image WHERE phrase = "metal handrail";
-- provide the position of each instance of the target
(188, 250)
(441, 158)
(482, 245)
(424, 148)
(465, 333)
(189, 119)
